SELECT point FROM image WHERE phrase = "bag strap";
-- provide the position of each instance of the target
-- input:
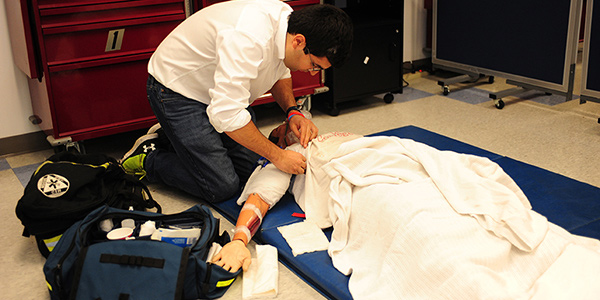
(78, 266)
(205, 285)
(149, 202)
(131, 260)
(183, 264)
(128, 185)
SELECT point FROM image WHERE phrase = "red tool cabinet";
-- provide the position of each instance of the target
(87, 61)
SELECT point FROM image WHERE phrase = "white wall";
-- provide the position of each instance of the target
(15, 103)
(415, 30)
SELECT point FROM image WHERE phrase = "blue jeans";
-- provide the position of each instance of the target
(205, 163)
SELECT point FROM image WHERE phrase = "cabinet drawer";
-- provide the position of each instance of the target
(296, 4)
(93, 41)
(47, 4)
(306, 81)
(303, 84)
(97, 95)
(77, 15)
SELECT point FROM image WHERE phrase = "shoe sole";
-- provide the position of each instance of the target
(154, 128)
(137, 143)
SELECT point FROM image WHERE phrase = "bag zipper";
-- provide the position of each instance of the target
(104, 165)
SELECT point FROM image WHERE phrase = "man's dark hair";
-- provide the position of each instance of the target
(328, 31)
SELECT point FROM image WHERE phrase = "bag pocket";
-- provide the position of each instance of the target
(205, 280)
(134, 269)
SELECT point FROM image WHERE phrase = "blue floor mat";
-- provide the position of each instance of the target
(569, 203)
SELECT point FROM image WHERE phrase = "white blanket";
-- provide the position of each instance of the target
(412, 222)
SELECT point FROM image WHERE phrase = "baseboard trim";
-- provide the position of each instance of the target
(419, 65)
(24, 143)
(423, 64)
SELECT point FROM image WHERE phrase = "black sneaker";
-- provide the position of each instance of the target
(133, 161)
(163, 140)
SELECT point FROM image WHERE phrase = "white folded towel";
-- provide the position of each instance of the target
(262, 277)
(304, 237)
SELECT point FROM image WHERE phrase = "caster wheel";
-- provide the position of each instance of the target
(388, 98)
(499, 104)
(334, 111)
(446, 91)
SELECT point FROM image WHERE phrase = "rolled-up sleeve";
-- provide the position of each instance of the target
(238, 61)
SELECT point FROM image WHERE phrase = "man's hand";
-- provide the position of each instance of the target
(290, 162)
(285, 160)
(233, 256)
(304, 129)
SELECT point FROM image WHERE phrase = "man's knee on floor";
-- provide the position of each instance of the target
(225, 191)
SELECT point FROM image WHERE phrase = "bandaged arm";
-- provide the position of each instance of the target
(264, 188)
(268, 182)
(250, 218)
(235, 254)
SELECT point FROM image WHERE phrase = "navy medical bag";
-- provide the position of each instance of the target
(86, 265)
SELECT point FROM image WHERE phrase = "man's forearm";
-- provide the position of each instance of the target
(250, 137)
(287, 161)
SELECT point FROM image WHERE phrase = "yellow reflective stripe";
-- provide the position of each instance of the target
(104, 165)
(225, 283)
(51, 242)
(38, 168)
(53, 239)
(49, 286)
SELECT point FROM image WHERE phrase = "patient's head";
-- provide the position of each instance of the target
(282, 136)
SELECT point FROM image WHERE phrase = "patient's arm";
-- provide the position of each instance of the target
(264, 188)
(235, 254)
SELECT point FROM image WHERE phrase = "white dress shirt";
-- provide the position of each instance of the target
(226, 55)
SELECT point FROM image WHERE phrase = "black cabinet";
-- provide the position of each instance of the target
(375, 66)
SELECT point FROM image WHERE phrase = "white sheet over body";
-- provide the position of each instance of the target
(413, 222)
